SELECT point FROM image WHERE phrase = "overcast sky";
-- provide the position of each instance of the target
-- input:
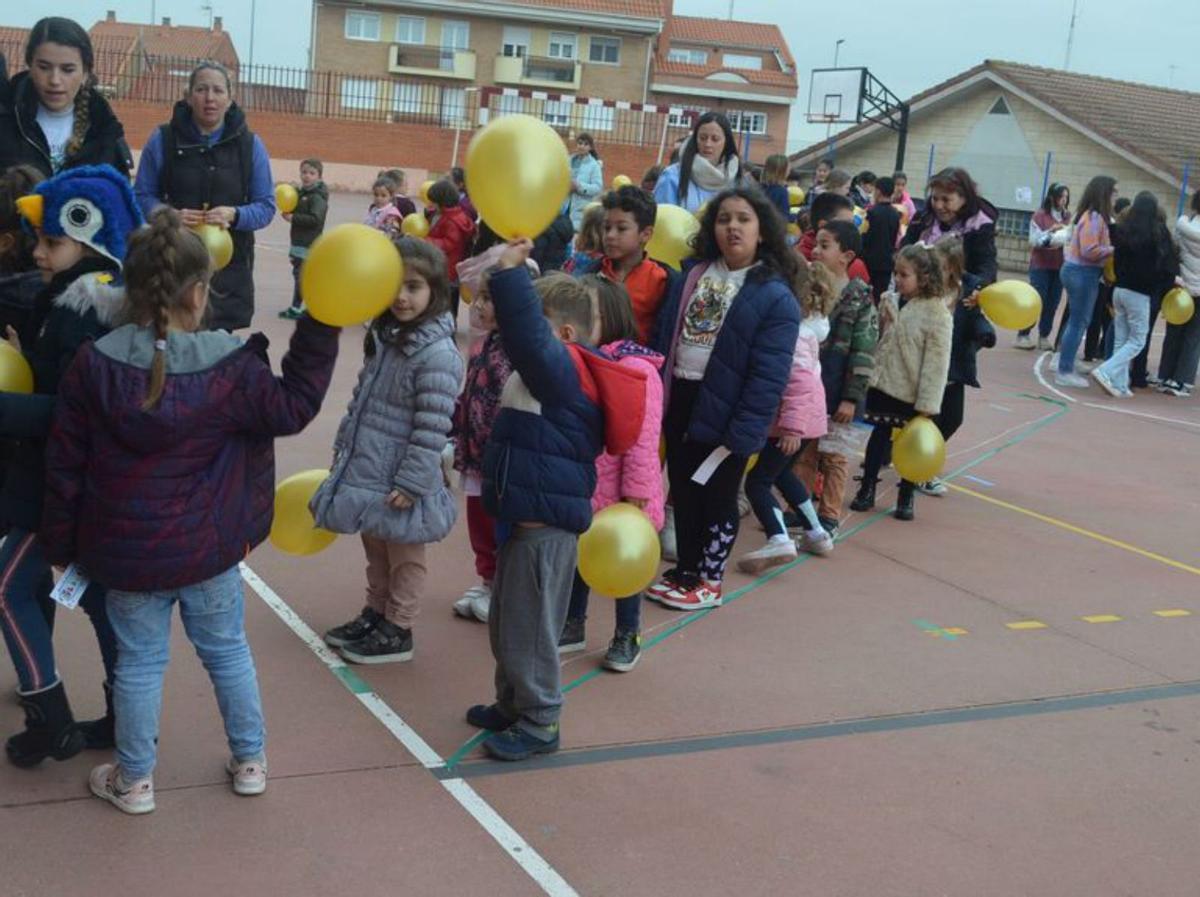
(1152, 41)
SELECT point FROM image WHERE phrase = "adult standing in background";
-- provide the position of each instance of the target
(955, 208)
(1181, 347)
(708, 164)
(207, 163)
(51, 116)
(1049, 231)
(587, 177)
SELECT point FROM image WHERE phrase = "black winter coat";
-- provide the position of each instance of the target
(1145, 263)
(972, 332)
(979, 242)
(23, 143)
(551, 247)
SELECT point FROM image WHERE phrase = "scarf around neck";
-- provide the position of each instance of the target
(711, 177)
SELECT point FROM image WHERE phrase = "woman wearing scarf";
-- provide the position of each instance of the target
(587, 178)
(709, 163)
(955, 208)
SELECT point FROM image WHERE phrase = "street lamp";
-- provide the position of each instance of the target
(837, 48)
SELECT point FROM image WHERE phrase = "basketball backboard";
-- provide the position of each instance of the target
(835, 95)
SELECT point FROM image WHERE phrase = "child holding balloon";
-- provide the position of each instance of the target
(452, 231)
(733, 324)
(308, 221)
(159, 480)
(634, 477)
(911, 366)
(386, 481)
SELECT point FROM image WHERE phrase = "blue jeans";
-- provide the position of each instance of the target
(1048, 283)
(629, 610)
(1131, 327)
(1082, 283)
(212, 613)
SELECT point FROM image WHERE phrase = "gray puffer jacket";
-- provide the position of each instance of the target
(392, 439)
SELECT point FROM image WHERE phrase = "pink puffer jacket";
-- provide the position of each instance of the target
(638, 472)
(802, 411)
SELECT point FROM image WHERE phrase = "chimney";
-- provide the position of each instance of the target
(216, 23)
(166, 21)
(110, 16)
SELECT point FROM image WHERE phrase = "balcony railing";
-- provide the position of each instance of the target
(414, 59)
(538, 71)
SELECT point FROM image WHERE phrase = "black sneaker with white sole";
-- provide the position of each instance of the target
(573, 637)
(356, 629)
(623, 652)
(386, 643)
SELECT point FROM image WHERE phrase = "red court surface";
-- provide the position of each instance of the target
(1002, 698)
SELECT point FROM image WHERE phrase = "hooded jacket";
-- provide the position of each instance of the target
(392, 437)
(802, 409)
(23, 143)
(157, 499)
(308, 218)
(452, 233)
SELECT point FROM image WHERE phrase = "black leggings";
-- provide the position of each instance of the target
(774, 468)
(950, 417)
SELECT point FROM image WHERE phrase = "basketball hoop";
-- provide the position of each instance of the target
(821, 118)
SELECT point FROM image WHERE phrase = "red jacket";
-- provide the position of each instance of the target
(452, 232)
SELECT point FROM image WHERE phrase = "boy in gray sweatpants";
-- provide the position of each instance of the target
(539, 473)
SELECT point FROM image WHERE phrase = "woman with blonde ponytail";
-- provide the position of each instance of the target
(57, 119)
(161, 478)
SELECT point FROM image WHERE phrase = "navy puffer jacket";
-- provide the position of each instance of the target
(750, 363)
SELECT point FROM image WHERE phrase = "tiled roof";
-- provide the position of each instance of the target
(12, 43)
(1158, 125)
(728, 34)
(701, 72)
(637, 9)
(170, 41)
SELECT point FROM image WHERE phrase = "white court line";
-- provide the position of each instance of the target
(1169, 420)
(517, 848)
(1037, 372)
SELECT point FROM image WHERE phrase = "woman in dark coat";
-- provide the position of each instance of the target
(955, 208)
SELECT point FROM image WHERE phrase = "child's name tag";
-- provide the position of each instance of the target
(705, 471)
(70, 588)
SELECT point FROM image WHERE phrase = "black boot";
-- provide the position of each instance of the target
(100, 734)
(50, 729)
(904, 501)
(865, 500)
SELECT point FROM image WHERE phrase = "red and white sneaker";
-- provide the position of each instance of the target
(704, 595)
(669, 581)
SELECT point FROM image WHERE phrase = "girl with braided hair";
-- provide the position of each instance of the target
(57, 119)
(160, 478)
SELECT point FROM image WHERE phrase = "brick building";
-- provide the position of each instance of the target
(1017, 128)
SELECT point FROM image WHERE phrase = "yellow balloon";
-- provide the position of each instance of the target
(1011, 304)
(700, 211)
(424, 192)
(217, 241)
(674, 228)
(795, 196)
(918, 450)
(621, 180)
(752, 462)
(860, 220)
(794, 229)
(518, 174)
(286, 197)
(619, 554)
(293, 530)
(1110, 270)
(15, 373)
(352, 273)
(415, 225)
(1178, 306)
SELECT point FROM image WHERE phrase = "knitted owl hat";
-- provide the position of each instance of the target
(92, 204)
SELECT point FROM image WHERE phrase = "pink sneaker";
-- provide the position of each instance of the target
(249, 776)
(108, 783)
(707, 594)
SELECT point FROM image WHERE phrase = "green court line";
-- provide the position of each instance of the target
(468, 746)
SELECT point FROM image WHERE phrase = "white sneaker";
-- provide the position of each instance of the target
(774, 554)
(1044, 345)
(1024, 341)
(666, 538)
(1086, 367)
(1107, 385)
(1074, 381)
(933, 487)
(817, 542)
(480, 604)
(462, 607)
(249, 776)
(108, 783)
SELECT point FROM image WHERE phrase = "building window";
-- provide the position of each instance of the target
(562, 45)
(410, 30)
(454, 107)
(999, 107)
(683, 118)
(1013, 223)
(359, 94)
(515, 42)
(557, 113)
(406, 99)
(510, 105)
(362, 25)
(456, 35)
(737, 61)
(691, 57)
(598, 118)
(605, 49)
(754, 122)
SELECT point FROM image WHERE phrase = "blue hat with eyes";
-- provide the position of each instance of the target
(92, 204)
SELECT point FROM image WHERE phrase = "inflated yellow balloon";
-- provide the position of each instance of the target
(424, 192)
(918, 450)
(752, 462)
(674, 228)
(415, 225)
(518, 174)
(794, 229)
(860, 220)
(1110, 270)
(622, 180)
(294, 530)
(217, 241)
(1178, 306)
(795, 196)
(15, 373)
(352, 273)
(1011, 304)
(286, 197)
(620, 553)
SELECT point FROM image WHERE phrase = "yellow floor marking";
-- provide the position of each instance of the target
(1026, 624)
(955, 631)
(1176, 612)
(1101, 618)
(1070, 527)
